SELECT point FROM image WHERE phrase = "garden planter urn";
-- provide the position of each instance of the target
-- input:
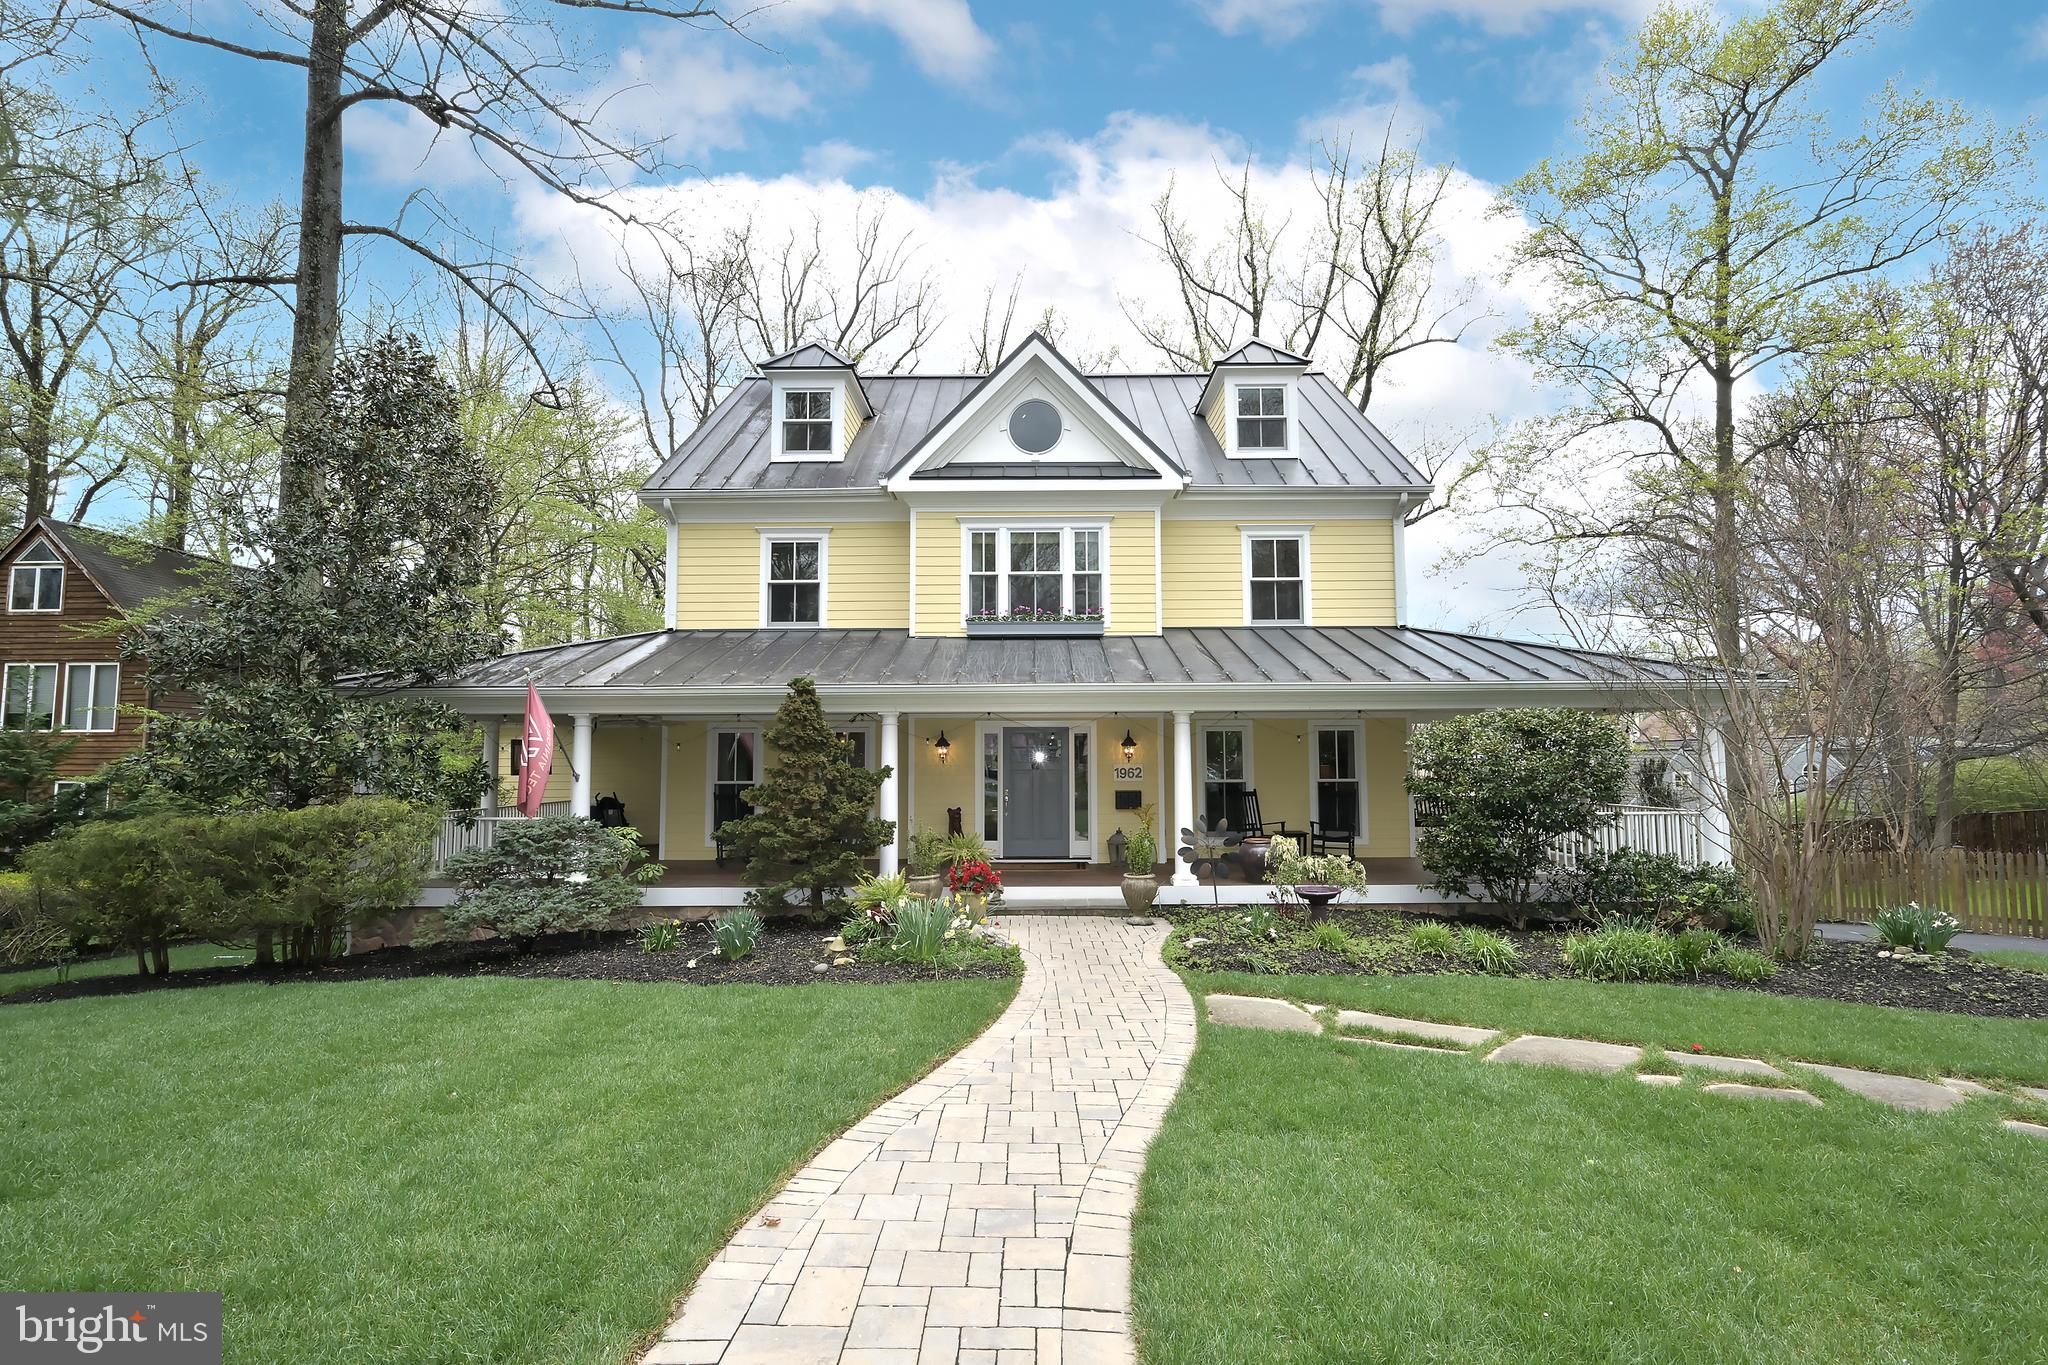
(1140, 890)
(926, 888)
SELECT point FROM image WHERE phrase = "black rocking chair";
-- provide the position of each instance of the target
(725, 805)
(1324, 838)
(1248, 821)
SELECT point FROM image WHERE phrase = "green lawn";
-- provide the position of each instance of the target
(2025, 959)
(184, 957)
(1312, 1201)
(1915, 1042)
(433, 1170)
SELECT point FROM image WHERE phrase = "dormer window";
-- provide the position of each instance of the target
(1262, 417)
(37, 580)
(807, 422)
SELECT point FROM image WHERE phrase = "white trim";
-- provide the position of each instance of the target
(669, 595)
(1315, 738)
(1158, 576)
(1003, 526)
(56, 700)
(58, 562)
(822, 538)
(113, 719)
(711, 734)
(1305, 536)
(1401, 565)
(911, 574)
(778, 390)
(1202, 732)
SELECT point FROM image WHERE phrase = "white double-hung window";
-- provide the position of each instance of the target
(1262, 417)
(806, 423)
(793, 578)
(1276, 575)
(90, 692)
(30, 697)
(1034, 573)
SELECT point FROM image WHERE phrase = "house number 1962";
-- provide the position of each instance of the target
(1128, 772)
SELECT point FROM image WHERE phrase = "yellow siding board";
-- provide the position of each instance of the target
(1133, 603)
(1351, 572)
(1201, 561)
(938, 574)
(719, 573)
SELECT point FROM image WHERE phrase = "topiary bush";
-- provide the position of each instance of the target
(556, 874)
(1501, 787)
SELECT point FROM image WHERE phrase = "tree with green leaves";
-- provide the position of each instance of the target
(297, 660)
(1501, 787)
(1704, 233)
(814, 823)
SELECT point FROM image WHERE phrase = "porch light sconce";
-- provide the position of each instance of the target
(942, 747)
(1130, 746)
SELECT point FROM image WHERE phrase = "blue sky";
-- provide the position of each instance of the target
(1015, 141)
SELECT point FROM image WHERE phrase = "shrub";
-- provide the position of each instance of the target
(1332, 937)
(1502, 786)
(1692, 948)
(1141, 852)
(1288, 867)
(125, 883)
(1620, 952)
(552, 875)
(925, 852)
(300, 879)
(876, 898)
(921, 929)
(1430, 936)
(814, 812)
(1669, 891)
(661, 936)
(1488, 951)
(1915, 928)
(1740, 964)
(28, 933)
(735, 933)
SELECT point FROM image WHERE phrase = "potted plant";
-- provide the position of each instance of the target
(974, 884)
(925, 858)
(1141, 873)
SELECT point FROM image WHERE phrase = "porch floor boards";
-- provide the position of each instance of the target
(704, 872)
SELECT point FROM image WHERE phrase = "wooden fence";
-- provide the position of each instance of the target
(1991, 893)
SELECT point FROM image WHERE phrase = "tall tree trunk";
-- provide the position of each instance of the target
(1726, 567)
(316, 321)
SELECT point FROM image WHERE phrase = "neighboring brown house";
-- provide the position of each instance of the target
(68, 589)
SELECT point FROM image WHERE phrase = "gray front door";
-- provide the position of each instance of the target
(1034, 793)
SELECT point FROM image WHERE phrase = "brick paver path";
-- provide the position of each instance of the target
(984, 1215)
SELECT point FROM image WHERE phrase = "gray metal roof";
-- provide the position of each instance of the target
(1256, 352)
(1336, 445)
(1248, 656)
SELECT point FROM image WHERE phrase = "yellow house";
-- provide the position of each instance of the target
(1047, 602)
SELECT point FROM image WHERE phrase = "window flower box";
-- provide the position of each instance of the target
(1025, 623)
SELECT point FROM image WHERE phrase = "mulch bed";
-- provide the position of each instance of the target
(1853, 972)
(787, 954)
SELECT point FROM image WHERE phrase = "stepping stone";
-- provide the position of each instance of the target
(1967, 1089)
(1574, 1054)
(1418, 1028)
(1900, 1092)
(1759, 1092)
(2030, 1129)
(1734, 1066)
(1258, 1011)
(1652, 1078)
(2034, 1093)
(1406, 1047)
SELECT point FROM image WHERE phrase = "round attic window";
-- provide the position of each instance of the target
(1035, 426)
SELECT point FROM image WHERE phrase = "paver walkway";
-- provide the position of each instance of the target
(983, 1216)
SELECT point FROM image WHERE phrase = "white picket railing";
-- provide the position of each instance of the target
(481, 831)
(1647, 829)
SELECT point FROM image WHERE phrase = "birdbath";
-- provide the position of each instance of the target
(1318, 897)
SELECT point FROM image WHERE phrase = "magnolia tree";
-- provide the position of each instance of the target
(1500, 789)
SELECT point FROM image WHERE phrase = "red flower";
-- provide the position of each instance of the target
(1697, 1048)
(974, 879)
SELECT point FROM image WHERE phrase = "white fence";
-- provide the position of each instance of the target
(1646, 829)
(481, 831)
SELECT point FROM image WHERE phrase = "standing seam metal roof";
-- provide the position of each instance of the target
(1336, 445)
(1250, 656)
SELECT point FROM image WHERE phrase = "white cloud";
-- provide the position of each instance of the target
(1381, 98)
(1281, 19)
(834, 159)
(2034, 39)
(1078, 248)
(940, 35)
(695, 95)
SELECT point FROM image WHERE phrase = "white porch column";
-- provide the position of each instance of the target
(579, 759)
(886, 856)
(1183, 793)
(1716, 835)
(492, 735)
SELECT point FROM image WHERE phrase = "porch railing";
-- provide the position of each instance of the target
(1647, 829)
(481, 831)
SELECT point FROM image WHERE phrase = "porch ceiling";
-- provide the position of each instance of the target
(1330, 667)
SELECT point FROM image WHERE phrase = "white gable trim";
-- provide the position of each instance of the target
(1058, 376)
